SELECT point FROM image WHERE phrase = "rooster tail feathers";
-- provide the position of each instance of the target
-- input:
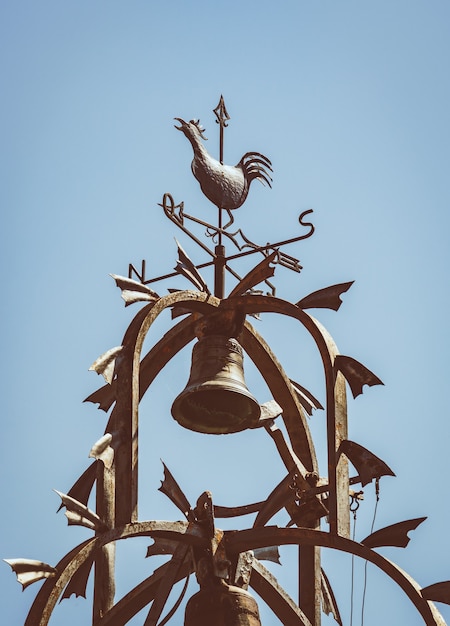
(260, 174)
(256, 166)
(256, 157)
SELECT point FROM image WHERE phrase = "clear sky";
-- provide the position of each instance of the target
(350, 100)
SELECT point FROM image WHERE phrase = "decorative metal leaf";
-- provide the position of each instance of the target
(236, 511)
(162, 546)
(328, 298)
(28, 571)
(366, 463)
(268, 554)
(394, 535)
(104, 397)
(439, 592)
(269, 411)
(78, 583)
(131, 297)
(261, 272)
(275, 502)
(307, 511)
(172, 490)
(166, 584)
(329, 604)
(81, 490)
(186, 268)
(102, 451)
(244, 568)
(305, 397)
(80, 515)
(134, 291)
(106, 363)
(356, 374)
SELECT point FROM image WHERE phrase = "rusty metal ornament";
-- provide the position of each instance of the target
(226, 186)
(216, 400)
(222, 605)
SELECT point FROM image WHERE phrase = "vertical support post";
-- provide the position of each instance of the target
(104, 565)
(342, 478)
(309, 582)
(337, 431)
(124, 423)
(219, 271)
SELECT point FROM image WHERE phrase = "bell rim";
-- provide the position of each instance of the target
(179, 413)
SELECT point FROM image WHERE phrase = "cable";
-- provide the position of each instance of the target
(353, 572)
(377, 498)
(354, 506)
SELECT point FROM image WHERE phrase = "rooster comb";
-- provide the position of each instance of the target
(199, 127)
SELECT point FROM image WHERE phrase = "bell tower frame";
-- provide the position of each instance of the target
(225, 562)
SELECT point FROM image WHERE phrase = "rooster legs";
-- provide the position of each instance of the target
(230, 215)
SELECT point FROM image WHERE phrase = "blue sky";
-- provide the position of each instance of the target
(350, 102)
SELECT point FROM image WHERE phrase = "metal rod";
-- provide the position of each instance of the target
(269, 246)
(219, 272)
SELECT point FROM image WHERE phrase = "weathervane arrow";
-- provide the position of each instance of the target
(222, 119)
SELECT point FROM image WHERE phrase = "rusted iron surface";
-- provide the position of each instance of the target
(166, 584)
(102, 451)
(225, 186)
(236, 511)
(259, 537)
(366, 463)
(81, 490)
(266, 585)
(222, 605)
(394, 535)
(78, 583)
(29, 571)
(257, 275)
(187, 268)
(356, 374)
(171, 489)
(243, 569)
(336, 407)
(104, 560)
(216, 399)
(52, 589)
(106, 363)
(190, 299)
(134, 291)
(225, 562)
(188, 302)
(307, 400)
(327, 298)
(439, 592)
(329, 604)
(80, 515)
(141, 595)
(257, 350)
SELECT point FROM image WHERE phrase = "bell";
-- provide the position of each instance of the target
(222, 605)
(216, 399)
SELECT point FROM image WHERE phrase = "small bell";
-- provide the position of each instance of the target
(222, 605)
(216, 399)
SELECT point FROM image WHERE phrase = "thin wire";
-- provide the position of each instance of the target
(353, 570)
(377, 495)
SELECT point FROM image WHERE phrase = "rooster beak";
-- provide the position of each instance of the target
(182, 122)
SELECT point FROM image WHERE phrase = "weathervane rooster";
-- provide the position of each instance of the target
(226, 186)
